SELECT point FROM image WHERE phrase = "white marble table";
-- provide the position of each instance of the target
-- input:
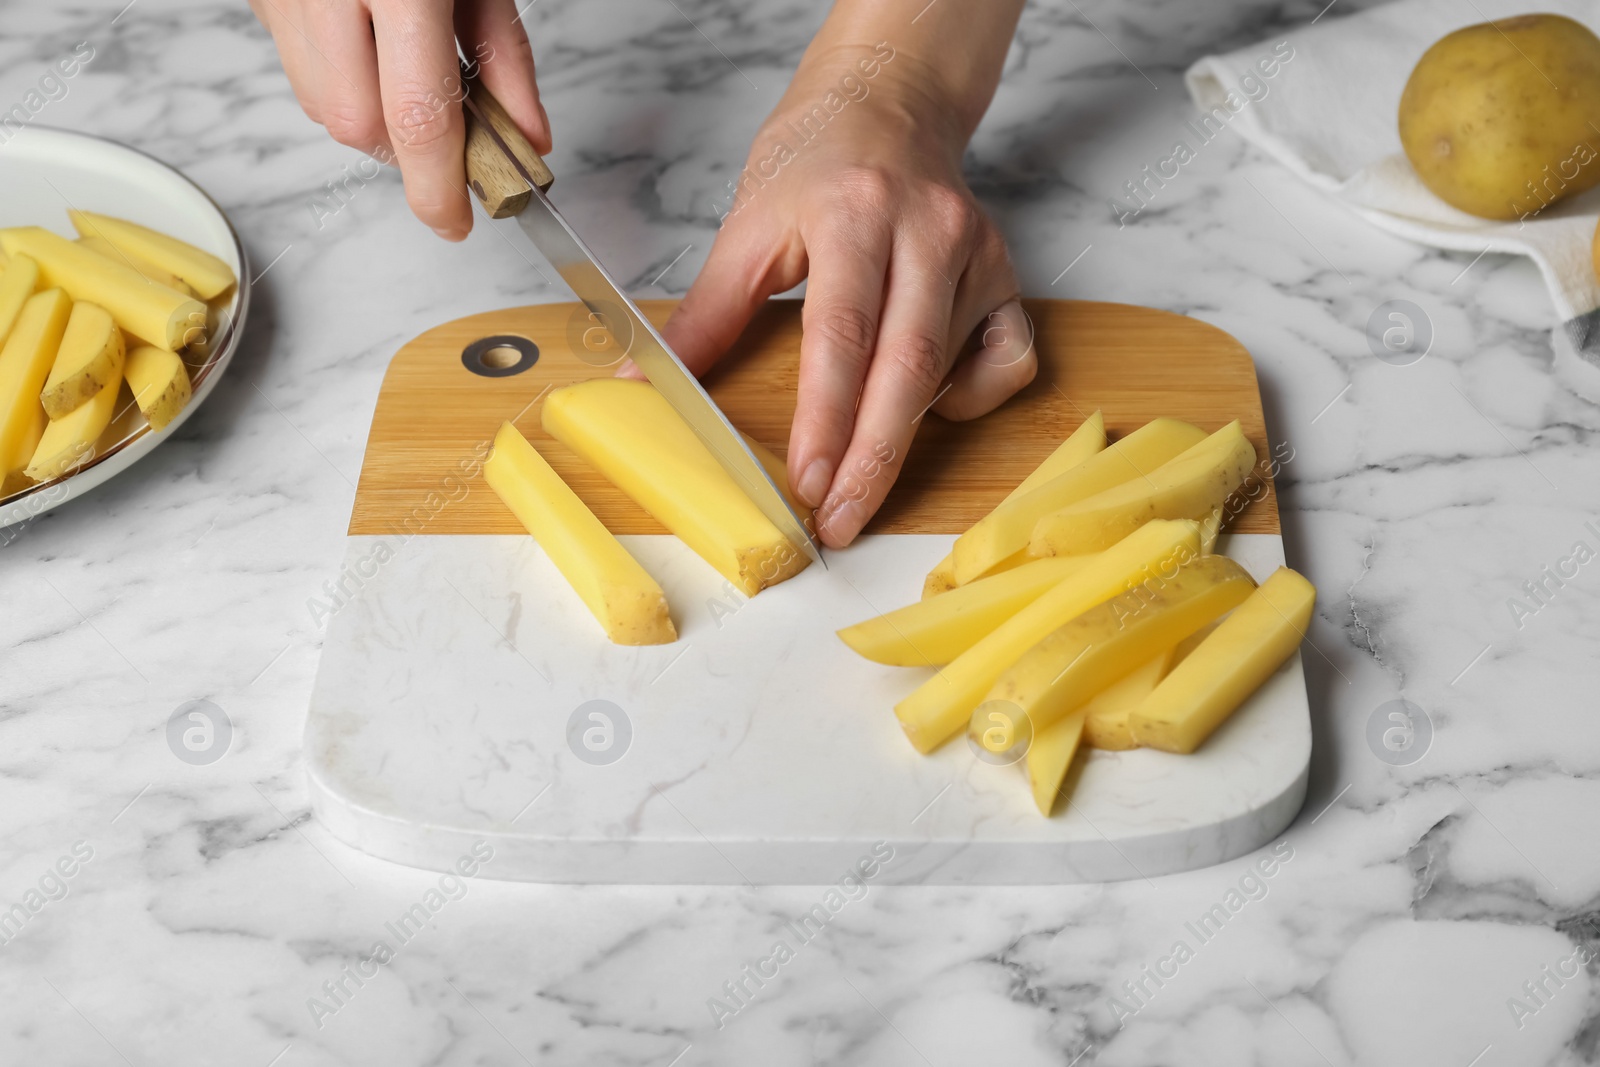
(1404, 910)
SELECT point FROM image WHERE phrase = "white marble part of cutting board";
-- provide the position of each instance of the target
(762, 750)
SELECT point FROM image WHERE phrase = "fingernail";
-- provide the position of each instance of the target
(448, 234)
(838, 520)
(814, 482)
(628, 369)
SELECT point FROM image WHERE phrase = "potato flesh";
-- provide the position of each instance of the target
(206, 275)
(618, 592)
(69, 442)
(1243, 651)
(90, 359)
(1067, 667)
(1191, 484)
(153, 313)
(1006, 530)
(24, 364)
(103, 247)
(1105, 716)
(159, 382)
(20, 279)
(933, 632)
(1049, 757)
(629, 433)
(942, 706)
(1082, 443)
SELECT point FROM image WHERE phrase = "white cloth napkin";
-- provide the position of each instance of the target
(1330, 115)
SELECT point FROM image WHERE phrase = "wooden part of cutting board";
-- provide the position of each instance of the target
(435, 419)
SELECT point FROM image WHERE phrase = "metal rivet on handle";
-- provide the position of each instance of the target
(500, 356)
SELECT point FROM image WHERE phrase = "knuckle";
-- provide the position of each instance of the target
(352, 125)
(844, 329)
(420, 119)
(951, 215)
(866, 191)
(918, 360)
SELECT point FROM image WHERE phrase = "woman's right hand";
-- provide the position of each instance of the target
(383, 77)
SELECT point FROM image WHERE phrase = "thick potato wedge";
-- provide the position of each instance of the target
(1088, 653)
(933, 632)
(1006, 530)
(1192, 484)
(149, 270)
(203, 273)
(1049, 757)
(1082, 443)
(618, 592)
(159, 382)
(70, 441)
(24, 364)
(90, 359)
(153, 313)
(628, 432)
(1243, 651)
(942, 706)
(20, 279)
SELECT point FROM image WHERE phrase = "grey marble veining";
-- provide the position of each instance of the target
(1418, 904)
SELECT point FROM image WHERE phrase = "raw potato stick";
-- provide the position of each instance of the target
(89, 361)
(1006, 530)
(208, 276)
(936, 631)
(160, 384)
(618, 592)
(942, 706)
(1084, 442)
(629, 433)
(1243, 651)
(153, 313)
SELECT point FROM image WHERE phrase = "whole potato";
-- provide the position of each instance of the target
(1500, 119)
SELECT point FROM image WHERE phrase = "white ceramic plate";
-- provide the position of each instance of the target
(42, 173)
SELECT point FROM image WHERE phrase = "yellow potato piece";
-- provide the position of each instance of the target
(1065, 669)
(162, 277)
(628, 432)
(1105, 716)
(1006, 530)
(89, 360)
(1191, 484)
(621, 595)
(12, 477)
(1243, 651)
(1049, 757)
(20, 279)
(69, 442)
(1210, 530)
(24, 364)
(936, 631)
(1498, 119)
(1082, 443)
(206, 275)
(153, 313)
(941, 707)
(159, 382)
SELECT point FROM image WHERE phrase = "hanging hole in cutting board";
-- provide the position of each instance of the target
(500, 356)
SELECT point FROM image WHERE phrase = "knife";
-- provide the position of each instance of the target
(510, 180)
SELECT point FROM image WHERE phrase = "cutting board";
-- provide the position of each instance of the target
(465, 694)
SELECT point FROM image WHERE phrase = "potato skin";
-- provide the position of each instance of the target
(1496, 117)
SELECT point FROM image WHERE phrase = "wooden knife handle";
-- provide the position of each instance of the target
(493, 142)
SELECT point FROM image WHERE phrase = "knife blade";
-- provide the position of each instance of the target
(520, 194)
